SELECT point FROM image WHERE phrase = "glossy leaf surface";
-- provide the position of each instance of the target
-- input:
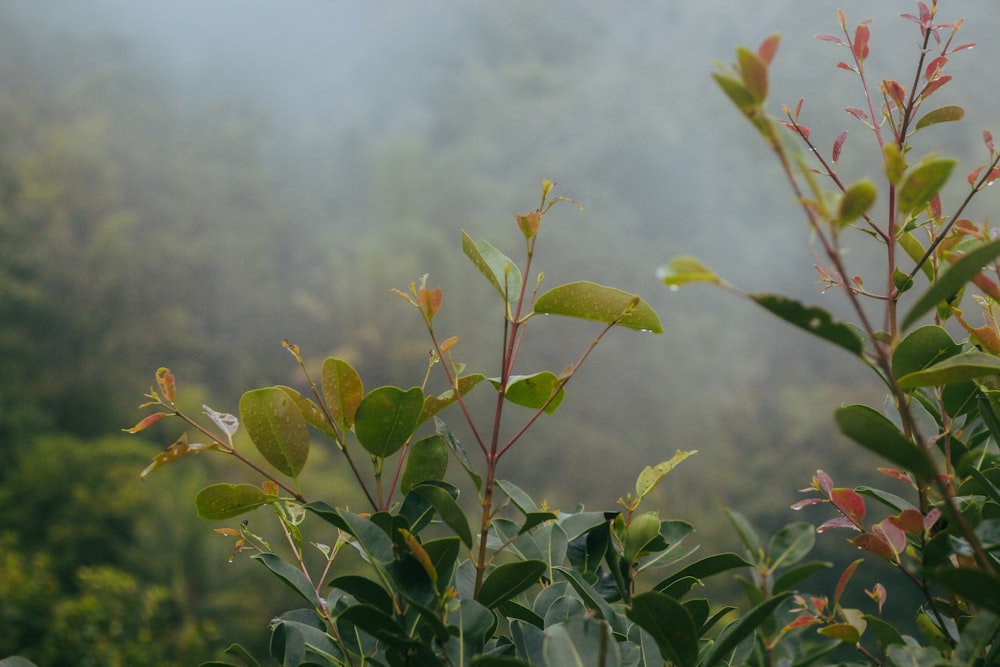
(277, 428)
(343, 391)
(386, 418)
(874, 432)
(427, 459)
(814, 320)
(224, 501)
(502, 273)
(591, 301)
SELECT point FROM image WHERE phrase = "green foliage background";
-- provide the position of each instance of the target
(150, 217)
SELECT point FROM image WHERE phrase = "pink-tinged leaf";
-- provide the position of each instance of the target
(818, 603)
(825, 482)
(892, 534)
(798, 107)
(838, 145)
(850, 503)
(753, 72)
(147, 422)
(934, 85)
(895, 92)
(838, 522)
(899, 475)
(849, 68)
(841, 18)
(797, 129)
(879, 594)
(988, 140)
(859, 114)
(808, 502)
(962, 47)
(935, 67)
(165, 379)
(429, 301)
(874, 544)
(935, 206)
(925, 14)
(768, 48)
(974, 174)
(932, 518)
(993, 175)
(910, 521)
(844, 579)
(909, 17)
(830, 38)
(861, 35)
(803, 621)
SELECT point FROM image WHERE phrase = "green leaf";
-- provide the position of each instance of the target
(968, 366)
(706, 567)
(686, 269)
(922, 183)
(291, 575)
(242, 654)
(427, 459)
(277, 428)
(670, 625)
(875, 433)
(746, 532)
(503, 273)
(386, 418)
(791, 543)
(976, 586)
(590, 301)
(844, 632)
(641, 532)
(976, 637)
(741, 628)
(580, 642)
(224, 501)
(342, 390)
(949, 284)
(16, 661)
(508, 580)
(753, 71)
(814, 320)
(651, 475)
(533, 391)
(378, 624)
(797, 573)
(364, 590)
(922, 347)
(447, 508)
(945, 114)
(459, 450)
(738, 93)
(855, 202)
(311, 412)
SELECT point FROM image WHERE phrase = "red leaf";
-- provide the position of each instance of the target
(934, 85)
(895, 91)
(798, 107)
(931, 518)
(850, 503)
(898, 474)
(963, 47)
(892, 534)
(925, 14)
(843, 65)
(165, 379)
(974, 174)
(839, 522)
(803, 621)
(147, 422)
(798, 129)
(844, 578)
(988, 140)
(861, 35)
(935, 206)
(830, 38)
(808, 502)
(859, 114)
(874, 544)
(994, 175)
(768, 48)
(935, 67)
(879, 595)
(838, 145)
(909, 17)
(909, 521)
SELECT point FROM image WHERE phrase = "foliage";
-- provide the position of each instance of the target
(938, 425)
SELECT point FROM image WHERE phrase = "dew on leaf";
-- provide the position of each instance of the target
(674, 288)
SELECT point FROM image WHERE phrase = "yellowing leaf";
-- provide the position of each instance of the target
(651, 475)
(591, 301)
(855, 202)
(686, 269)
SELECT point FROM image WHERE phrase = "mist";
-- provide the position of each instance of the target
(268, 171)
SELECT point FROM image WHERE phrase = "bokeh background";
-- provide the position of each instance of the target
(188, 183)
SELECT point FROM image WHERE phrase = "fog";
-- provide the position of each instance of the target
(301, 158)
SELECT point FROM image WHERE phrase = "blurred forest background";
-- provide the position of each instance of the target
(186, 184)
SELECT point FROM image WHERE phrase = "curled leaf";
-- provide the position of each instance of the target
(165, 380)
(179, 449)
